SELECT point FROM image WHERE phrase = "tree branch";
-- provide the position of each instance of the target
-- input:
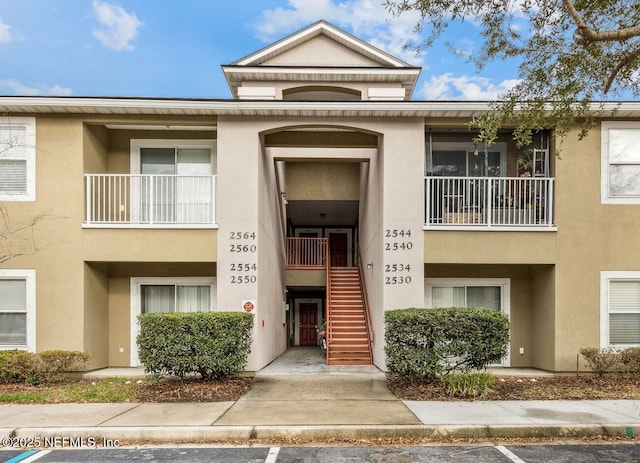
(614, 73)
(587, 35)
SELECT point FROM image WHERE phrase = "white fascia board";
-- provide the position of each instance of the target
(260, 93)
(390, 94)
(320, 71)
(58, 104)
(146, 106)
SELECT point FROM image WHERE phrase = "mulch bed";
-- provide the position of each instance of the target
(582, 387)
(527, 388)
(193, 390)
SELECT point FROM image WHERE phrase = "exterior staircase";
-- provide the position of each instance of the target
(348, 332)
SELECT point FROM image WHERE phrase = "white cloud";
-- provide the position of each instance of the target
(366, 19)
(117, 28)
(449, 87)
(15, 87)
(5, 32)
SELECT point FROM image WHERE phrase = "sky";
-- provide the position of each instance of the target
(175, 48)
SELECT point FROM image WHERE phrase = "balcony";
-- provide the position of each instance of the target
(489, 202)
(306, 253)
(139, 201)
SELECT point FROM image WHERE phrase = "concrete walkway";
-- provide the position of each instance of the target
(299, 396)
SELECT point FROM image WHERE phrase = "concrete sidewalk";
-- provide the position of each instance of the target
(301, 398)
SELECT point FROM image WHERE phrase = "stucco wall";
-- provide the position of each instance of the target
(96, 315)
(329, 181)
(54, 252)
(592, 237)
(543, 308)
(119, 322)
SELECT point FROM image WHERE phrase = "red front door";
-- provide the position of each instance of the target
(308, 322)
(338, 249)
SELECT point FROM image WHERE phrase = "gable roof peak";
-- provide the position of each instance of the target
(327, 29)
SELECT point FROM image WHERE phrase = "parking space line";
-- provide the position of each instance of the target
(29, 456)
(509, 454)
(273, 455)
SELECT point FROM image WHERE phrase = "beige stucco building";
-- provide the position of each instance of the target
(319, 190)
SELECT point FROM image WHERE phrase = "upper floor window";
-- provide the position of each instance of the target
(173, 157)
(466, 160)
(620, 162)
(17, 159)
(175, 181)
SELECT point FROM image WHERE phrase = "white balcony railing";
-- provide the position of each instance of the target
(489, 201)
(130, 200)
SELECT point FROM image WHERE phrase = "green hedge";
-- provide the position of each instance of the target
(427, 343)
(214, 344)
(18, 366)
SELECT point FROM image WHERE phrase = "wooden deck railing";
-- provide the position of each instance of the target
(306, 253)
(367, 313)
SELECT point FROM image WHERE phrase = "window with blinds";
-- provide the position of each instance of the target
(17, 159)
(624, 312)
(13, 312)
(175, 298)
(17, 309)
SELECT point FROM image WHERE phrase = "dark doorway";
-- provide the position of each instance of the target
(338, 249)
(308, 322)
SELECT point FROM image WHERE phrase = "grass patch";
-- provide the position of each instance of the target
(24, 397)
(100, 391)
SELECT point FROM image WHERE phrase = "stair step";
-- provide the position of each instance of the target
(349, 335)
(349, 354)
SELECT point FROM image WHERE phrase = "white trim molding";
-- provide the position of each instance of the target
(632, 128)
(606, 277)
(22, 149)
(138, 143)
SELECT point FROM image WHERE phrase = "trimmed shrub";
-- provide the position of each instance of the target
(630, 359)
(602, 361)
(18, 366)
(214, 344)
(467, 384)
(56, 362)
(426, 343)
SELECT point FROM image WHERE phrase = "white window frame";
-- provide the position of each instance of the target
(136, 308)
(29, 275)
(468, 147)
(604, 163)
(605, 278)
(29, 155)
(138, 143)
(135, 168)
(503, 283)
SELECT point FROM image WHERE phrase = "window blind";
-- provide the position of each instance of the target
(624, 312)
(13, 295)
(13, 312)
(13, 140)
(13, 176)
